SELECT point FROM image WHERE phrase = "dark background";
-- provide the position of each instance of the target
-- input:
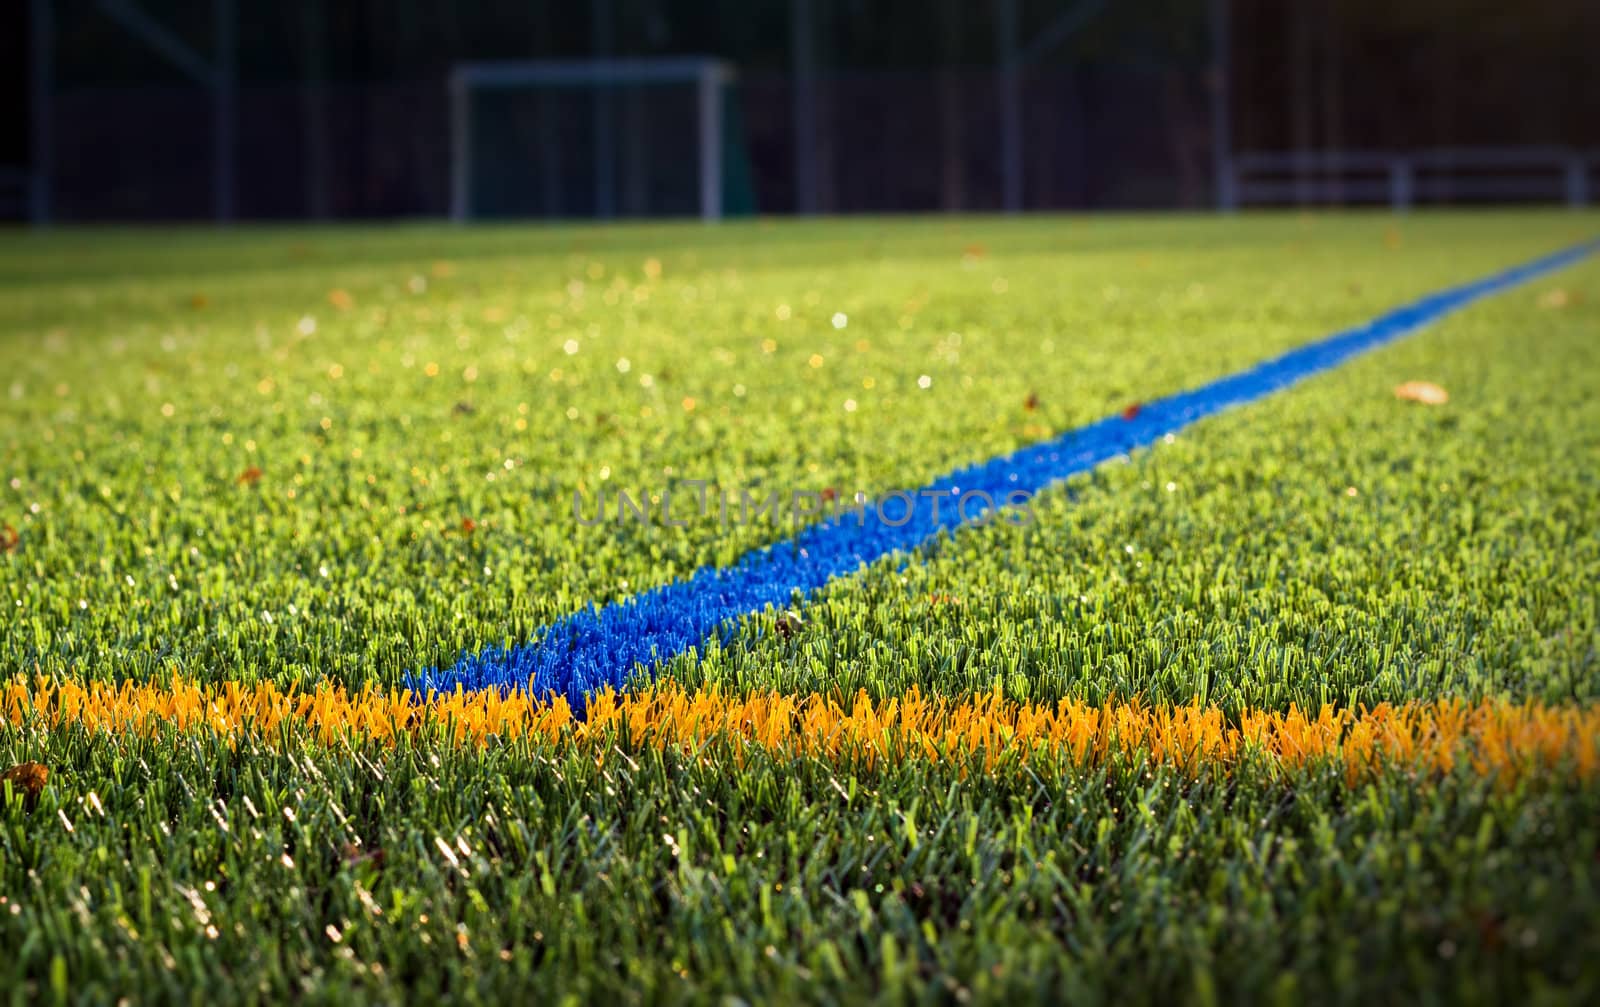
(1117, 115)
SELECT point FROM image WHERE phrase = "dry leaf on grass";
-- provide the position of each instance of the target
(1426, 392)
(27, 779)
(354, 856)
(789, 623)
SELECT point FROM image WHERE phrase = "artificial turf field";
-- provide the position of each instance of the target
(1299, 704)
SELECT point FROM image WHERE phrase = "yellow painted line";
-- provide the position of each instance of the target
(1496, 736)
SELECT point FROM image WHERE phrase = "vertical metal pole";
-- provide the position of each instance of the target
(1577, 182)
(553, 183)
(1010, 108)
(802, 39)
(605, 168)
(225, 112)
(1301, 125)
(460, 148)
(1222, 173)
(710, 125)
(548, 125)
(314, 111)
(1400, 184)
(635, 184)
(42, 34)
(952, 147)
(1332, 103)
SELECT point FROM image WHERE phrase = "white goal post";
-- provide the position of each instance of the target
(708, 76)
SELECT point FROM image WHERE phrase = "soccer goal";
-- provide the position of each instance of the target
(604, 138)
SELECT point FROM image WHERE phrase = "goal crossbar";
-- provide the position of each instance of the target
(708, 75)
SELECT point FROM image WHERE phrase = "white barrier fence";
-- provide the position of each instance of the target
(1404, 178)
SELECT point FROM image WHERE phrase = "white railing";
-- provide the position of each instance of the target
(1404, 178)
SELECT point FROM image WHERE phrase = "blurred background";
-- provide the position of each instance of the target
(228, 110)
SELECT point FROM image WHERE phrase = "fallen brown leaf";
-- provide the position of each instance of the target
(789, 623)
(1557, 298)
(27, 779)
(354, 855)
(1426, 392)
(1491, 930)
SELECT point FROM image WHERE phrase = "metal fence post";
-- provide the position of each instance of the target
(802, 33)
(460, 148)
(226, 112)
(1010, 107)
(710, 99)
(1226, 176)
(1577, 181)
(42, 32)
(1401, 184)
(604, 121)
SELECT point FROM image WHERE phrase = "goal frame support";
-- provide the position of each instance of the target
(708, 75)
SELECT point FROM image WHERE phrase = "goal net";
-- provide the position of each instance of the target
(602, 138)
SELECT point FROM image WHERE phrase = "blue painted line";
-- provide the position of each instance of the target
(601, 646)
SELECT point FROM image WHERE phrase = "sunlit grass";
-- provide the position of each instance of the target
(1296, 707)
(1496, 739)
